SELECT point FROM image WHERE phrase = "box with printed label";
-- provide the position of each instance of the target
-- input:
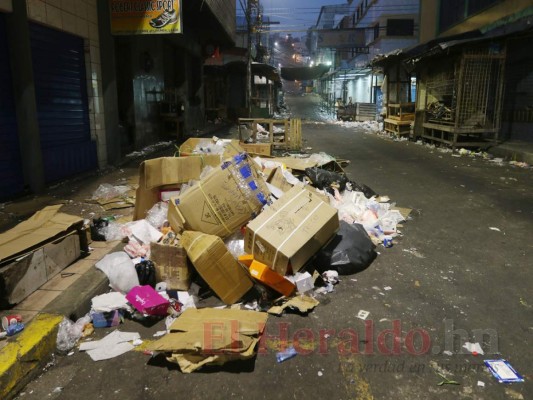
(291, 230)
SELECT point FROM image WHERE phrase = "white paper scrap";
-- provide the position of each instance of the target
(109, 301)
(473, 348)
(362, 314)
(113, 345)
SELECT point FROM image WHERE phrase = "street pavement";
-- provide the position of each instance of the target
(459, 273)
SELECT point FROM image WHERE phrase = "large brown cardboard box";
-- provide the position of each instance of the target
(223, 201)
(171, 266)
(216, 265)
(167, 173)
(291, 230)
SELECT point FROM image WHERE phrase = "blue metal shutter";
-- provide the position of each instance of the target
(11, 176)
(62, 105)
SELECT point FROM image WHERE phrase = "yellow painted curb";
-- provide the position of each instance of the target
(19, 357)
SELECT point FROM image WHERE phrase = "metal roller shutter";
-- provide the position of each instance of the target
(62, 105)
(11, 176)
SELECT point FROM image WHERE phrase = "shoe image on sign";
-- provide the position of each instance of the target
(164, 19)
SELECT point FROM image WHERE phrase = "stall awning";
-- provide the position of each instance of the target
(304, 73)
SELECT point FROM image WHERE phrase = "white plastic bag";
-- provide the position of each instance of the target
(120, 271)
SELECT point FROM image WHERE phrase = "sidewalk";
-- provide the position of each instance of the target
(69, 293)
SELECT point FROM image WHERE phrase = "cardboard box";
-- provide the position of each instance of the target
(257, 149)
(36, 250)
(222, 202)
(271, 278)
(211, 336)
(147, 301)
(215, 264)
(291, 230)
(167, 173)
(190, 147)
(171, 266)
(277, 179)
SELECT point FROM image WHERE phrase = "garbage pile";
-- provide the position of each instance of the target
(226, 244)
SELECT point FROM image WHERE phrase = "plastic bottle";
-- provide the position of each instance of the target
(14, 328)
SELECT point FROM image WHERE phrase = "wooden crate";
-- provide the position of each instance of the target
(401, 111)
(281, 133)
(397, 127)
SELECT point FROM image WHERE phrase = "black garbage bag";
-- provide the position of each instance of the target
(323, 179)
(97, 229)
(360, 187)
(349, 252)
(146, 273)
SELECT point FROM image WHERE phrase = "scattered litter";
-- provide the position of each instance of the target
(320, 373)
(137, 342)
(481, 383)
(446, 381)
(492, 228)
(473, 348)
(159, 333)
(71, 353)
(286, 354)
(447, 353)
(301, 303)
(362, 314)
(112, 345)
(387, 288)
(57, 389)
(503, 371)
(109, 301)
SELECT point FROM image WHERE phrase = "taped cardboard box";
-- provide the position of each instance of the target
(36, 250)
(277, 179)
(291, 230)
(215, 264)
(204, 146)
(211, 337)
(171, 266)
(167, 173)
(223, 201)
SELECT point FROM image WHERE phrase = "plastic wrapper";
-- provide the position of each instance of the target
(321, 158)
(350, 251)
(157, 215)
(114, 231)
(107, 191)
(120, 271)
(209, 148)
(235, 244)
(136, 249)
(70, 332)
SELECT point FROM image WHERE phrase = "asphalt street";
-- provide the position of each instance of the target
(460, 272)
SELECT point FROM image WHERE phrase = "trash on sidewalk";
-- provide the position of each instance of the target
(36, 250)
(109, 302)
(167, 173)
(473, 348)
(171, 265)
(111, 197)
(363, 314)
(291, 230)
(223, 201)
(350, 251)
(107, 319)
(301, 303)
(223, 148)
(70, 332)
(147, 301)
(503, 371)
(120, 271)
(271, 278)
(211, 337)
(215, 264)
(284, 355)
(112, 345)
(15, 328)
(303, 280)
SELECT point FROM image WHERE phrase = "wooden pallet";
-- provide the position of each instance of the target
(397, 127)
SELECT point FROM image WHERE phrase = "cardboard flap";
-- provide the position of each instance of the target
(216, 265)
(172, 170)
(41, 227)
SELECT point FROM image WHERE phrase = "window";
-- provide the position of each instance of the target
(477, 5)
(376, 31)
(452, 12)
(400, 27)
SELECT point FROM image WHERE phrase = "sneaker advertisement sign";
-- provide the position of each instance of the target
(130, 17)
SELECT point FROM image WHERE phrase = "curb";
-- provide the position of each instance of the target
(22, 358)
